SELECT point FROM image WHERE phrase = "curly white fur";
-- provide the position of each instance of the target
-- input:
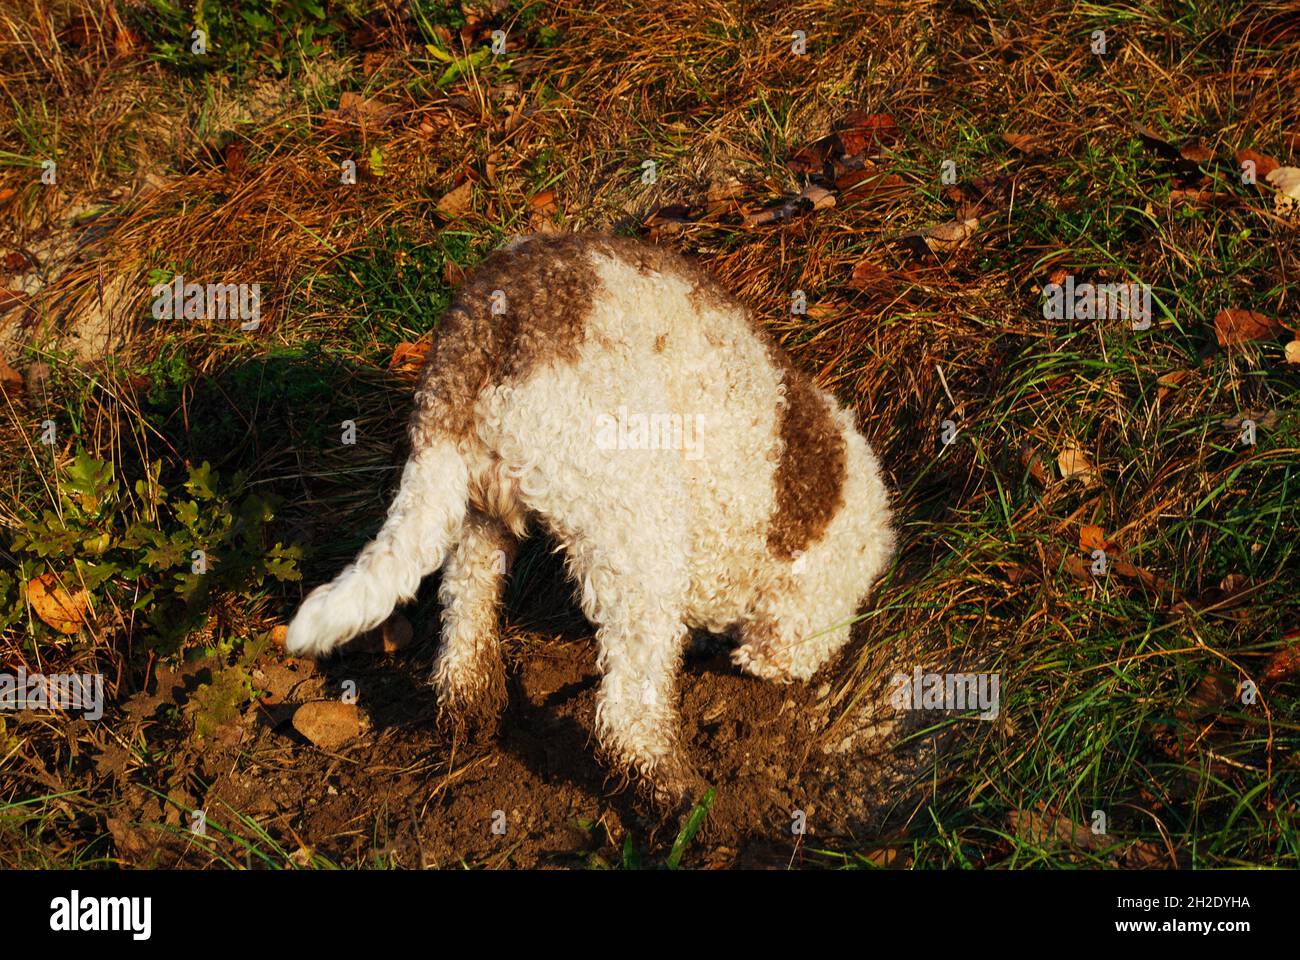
(661, 537)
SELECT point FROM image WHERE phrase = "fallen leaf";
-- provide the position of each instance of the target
(811, 197)
(1032, 461)
(457, 201)
(329, 723)
(1074, 464)
(857, 132)
(64, 611)
(1026, 143)
(1264, 165)
(1235, 326)
(869, 276)
(1170, 382)
(234, 158)
(1264, 419)
(1039, 827)
(819, 197)
(408, 358)
(11, 381)
(942, 236)
(722, 190)
(1286, 662)
(1286, 180)
(1156, 141)
(544, 203)
(1200, 197)
(1092, 538)
(10, 299)
(354, 108)
(1144, 855)
(1212, 694)
(869, 185)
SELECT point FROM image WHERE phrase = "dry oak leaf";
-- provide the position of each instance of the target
(1040, 827)
(544, 203)
(942, 236)
(11, 381)
(1286, 662)
(330, 723)
(1026, 143)
(1170, 382)
(1074, 463)
(1264, 165)
(869, 276)
(354, 108)
(408, 358)
(64, 611)
(858, 131)
(1234, 326)
(1092, 537)
(10, 299)
(457, 201)
(1196, 152)
(1032, 461)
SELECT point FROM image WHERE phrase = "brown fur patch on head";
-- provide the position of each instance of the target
(813, 468)
(546, 289)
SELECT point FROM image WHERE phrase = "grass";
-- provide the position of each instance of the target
(1113, 684)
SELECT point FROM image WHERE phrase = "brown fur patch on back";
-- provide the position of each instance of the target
(548, 284)
(810, 478)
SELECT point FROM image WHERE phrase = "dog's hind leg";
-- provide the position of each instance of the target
(469, 672)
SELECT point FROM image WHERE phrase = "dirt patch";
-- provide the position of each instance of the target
(534, 795)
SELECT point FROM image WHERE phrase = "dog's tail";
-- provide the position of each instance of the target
(424, 522)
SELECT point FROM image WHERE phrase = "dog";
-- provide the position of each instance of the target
(692, 476)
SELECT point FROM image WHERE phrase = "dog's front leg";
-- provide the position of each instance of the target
(636, 713)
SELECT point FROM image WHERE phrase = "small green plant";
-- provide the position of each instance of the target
(237, 33)
(692, 826)
(167, 557)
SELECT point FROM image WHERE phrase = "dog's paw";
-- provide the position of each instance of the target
(758, 659)
(471, 712)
